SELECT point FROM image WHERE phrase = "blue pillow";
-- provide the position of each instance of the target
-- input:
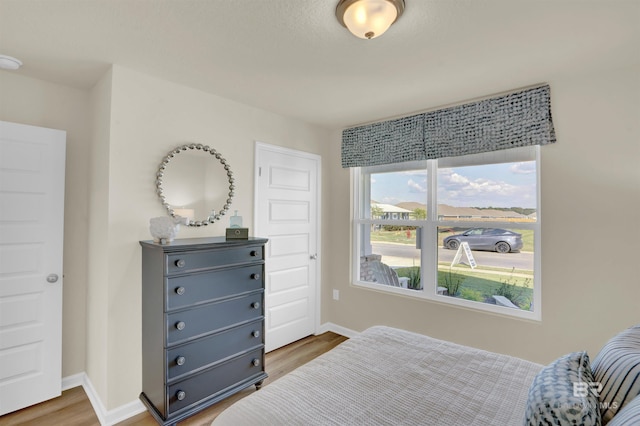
(561, 394)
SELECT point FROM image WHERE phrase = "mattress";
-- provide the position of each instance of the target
(387, 376)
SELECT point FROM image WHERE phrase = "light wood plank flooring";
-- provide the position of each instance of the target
(74, 409)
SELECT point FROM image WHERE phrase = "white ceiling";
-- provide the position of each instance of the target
(293, 58)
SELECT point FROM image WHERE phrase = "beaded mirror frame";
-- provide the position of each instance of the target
(205, 149)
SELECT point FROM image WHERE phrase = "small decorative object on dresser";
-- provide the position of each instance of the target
(202, 323)
(164, 229)
(235, 231)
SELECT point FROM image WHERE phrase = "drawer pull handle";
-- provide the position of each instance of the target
(180, 325)
(255, 276)
(255, 305)
(255, 362)
(181, 360)
(180, 291)
(253, 253)
(180, 263)
(256, 333)
(181, 395)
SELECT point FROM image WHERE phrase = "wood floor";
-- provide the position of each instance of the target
(74, 409)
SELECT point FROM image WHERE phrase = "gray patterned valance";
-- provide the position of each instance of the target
(518, 119)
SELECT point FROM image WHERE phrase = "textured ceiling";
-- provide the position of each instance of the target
(293, 58)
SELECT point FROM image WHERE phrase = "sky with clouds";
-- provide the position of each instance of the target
(495, 185)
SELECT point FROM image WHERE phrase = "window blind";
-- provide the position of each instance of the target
(520, 118)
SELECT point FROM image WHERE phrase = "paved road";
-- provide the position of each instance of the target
(404, 255)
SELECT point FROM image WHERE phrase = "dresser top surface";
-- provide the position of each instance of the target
(202, 243)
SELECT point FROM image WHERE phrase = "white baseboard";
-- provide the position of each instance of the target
(106, 418)
(335, 328)
(72, 381)
(125, 411)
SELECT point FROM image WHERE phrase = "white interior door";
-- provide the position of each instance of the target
(287, 212)
(31, 230)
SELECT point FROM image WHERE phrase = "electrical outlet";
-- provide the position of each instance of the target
(336, 294)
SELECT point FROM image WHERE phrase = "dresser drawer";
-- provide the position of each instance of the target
(215, 380)
(191, 356)
(206, 319)
(209, 286)
(178, 263)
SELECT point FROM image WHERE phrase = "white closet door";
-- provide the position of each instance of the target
(287, 206)
(32, 163)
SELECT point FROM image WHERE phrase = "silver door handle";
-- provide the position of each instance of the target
(313, 256)
(52, 278)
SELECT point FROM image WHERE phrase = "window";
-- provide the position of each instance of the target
(461, 230)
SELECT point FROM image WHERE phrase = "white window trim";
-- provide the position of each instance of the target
(430, 226)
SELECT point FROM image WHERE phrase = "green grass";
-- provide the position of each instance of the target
(399, 237)
(489, 269)
(480, 286)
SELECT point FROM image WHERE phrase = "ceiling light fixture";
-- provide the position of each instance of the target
(368, 18)
(9, 63)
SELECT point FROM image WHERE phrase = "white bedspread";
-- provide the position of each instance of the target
(386, 376)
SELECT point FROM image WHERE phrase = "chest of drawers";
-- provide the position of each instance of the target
(202, 323)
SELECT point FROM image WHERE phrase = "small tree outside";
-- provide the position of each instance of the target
(419, 213)
(376, 212)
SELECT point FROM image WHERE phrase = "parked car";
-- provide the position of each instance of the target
(494, 239)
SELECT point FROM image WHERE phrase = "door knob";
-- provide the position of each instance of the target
(52, 278)
(313, 256)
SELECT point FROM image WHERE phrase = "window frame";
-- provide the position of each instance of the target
(361, 192)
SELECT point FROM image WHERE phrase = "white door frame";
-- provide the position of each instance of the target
(261, 146)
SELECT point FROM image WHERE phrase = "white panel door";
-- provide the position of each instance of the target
(287, 192)
(31, 230)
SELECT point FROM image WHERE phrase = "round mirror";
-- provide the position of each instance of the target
(192, 182)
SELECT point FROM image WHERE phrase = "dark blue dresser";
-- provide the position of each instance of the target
(202, 323)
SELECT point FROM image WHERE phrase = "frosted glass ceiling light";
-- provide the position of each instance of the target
(9, 63)
(368, 18)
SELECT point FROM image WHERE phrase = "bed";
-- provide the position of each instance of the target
(386, 376)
